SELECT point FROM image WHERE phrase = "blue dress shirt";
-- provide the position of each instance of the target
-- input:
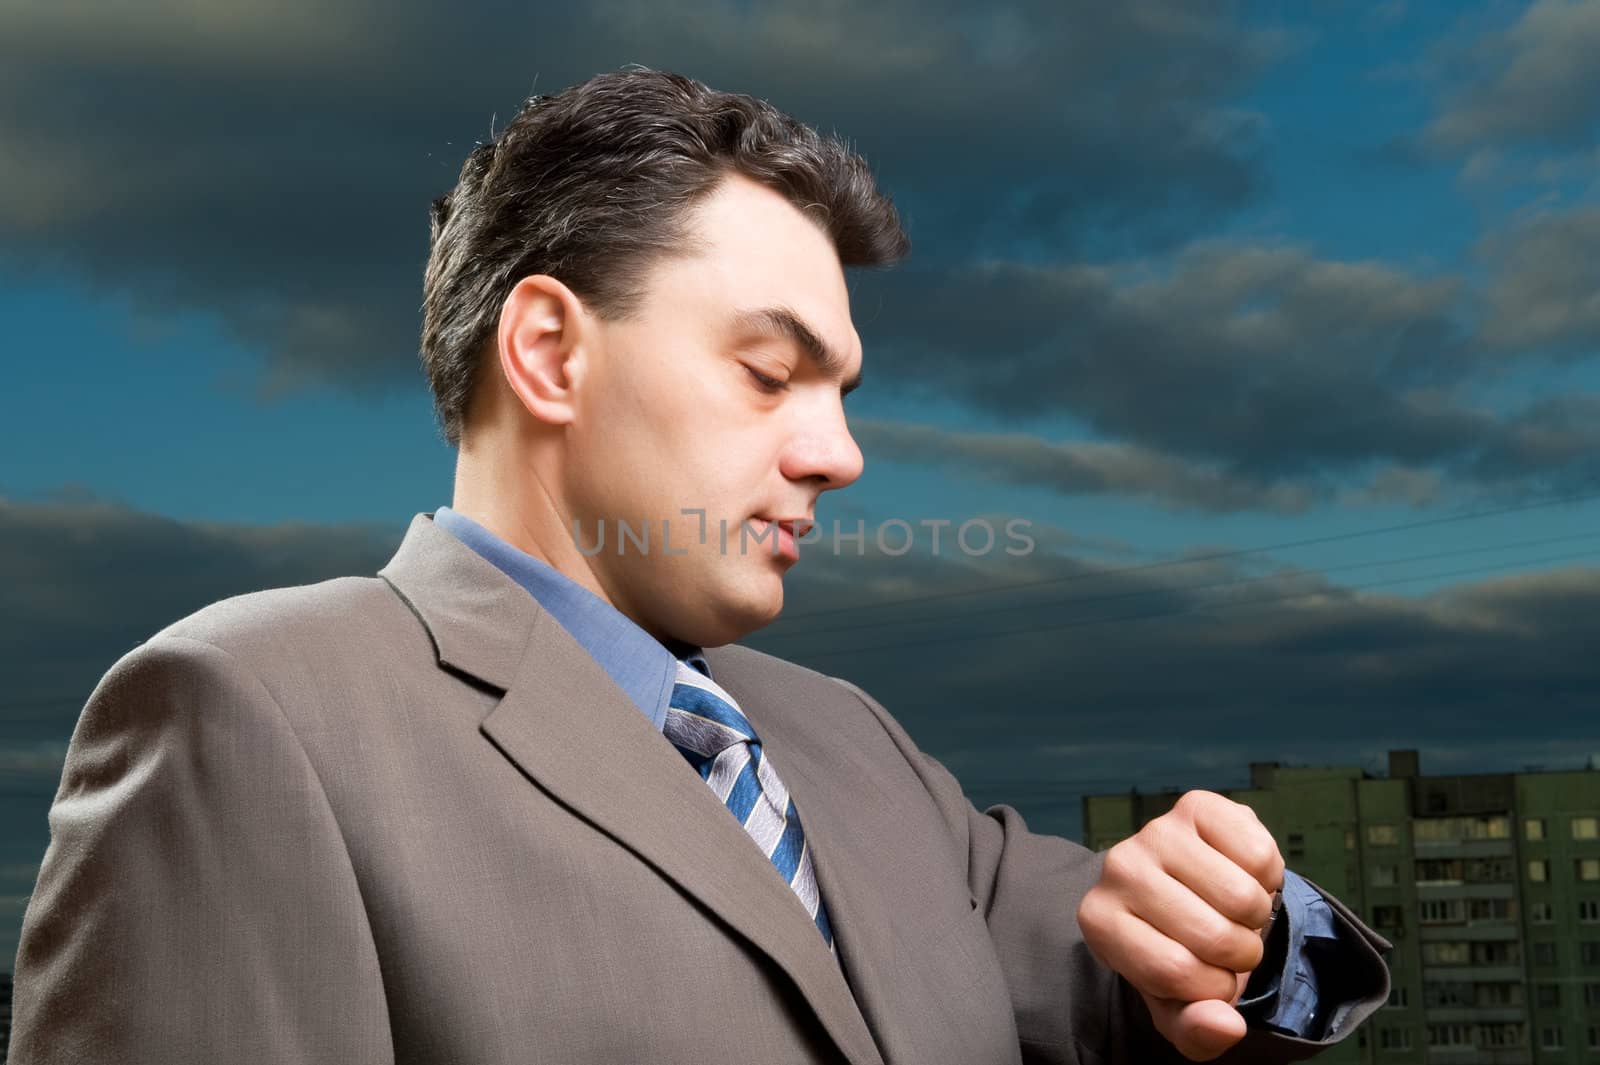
(646, 671)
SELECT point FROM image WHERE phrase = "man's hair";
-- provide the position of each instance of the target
(595, 184)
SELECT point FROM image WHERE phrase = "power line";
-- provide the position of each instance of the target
(1213, 557)
(1090, 622)
(1231, 582)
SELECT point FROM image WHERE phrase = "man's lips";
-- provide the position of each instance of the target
(788, 529)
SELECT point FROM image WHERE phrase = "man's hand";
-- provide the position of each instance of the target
(1178, 912)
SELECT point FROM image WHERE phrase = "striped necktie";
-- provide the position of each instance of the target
(706, 724)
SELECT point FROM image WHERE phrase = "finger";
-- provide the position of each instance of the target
(1175, 911)
(1200, 1030)
(1154, 963)
(1235, 830)
(1214, 876)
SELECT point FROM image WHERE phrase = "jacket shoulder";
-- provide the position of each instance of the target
(294, 622)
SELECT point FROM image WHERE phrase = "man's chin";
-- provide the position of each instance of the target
(757, 605)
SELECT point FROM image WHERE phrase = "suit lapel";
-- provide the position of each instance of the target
(862, 916)
(575, 734)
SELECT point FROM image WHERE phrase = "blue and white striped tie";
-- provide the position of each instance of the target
(706, 724)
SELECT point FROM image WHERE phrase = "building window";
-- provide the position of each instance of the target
(1397, 998)
(1547, 996)
(1538, 870)
(1496, 953)
(1489, 870)
(1439, 911)
(1446, 953)
(1589, 910)
(1451, 995)
(1544, 954)
(1449, 1035)
(1505, 1034)
(1594, 1038)
(1533, 828)
(1491, 909)
(1491, 996)
(1394, 1038)
(1383, 835)
(1349, 839)
(1591, 994)
(1550, 1037)
(1589, 953)
(1541, 912)
(1453, 829)
(1297, 845)
(1587, 868)
(1385, 875)
(1586, 828)
(1439, 871)
(1388, 916)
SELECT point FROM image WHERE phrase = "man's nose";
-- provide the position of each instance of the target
(825, 451)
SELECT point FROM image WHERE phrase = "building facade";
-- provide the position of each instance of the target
(1487, 884)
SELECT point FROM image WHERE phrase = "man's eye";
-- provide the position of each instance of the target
(768, 384)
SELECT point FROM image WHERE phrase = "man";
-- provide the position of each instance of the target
(521, 800)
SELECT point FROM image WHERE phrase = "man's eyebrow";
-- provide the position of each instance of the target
(783, 324)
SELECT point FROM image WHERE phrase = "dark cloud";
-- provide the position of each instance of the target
(85, 580)
(273, 167)
(1081, 468)
(1255, 377)
(1545, 295)
(1533, 82)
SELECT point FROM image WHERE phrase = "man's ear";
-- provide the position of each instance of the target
(542, 340)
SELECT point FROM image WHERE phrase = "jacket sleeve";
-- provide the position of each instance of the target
(1071, 1008)
(196, 902)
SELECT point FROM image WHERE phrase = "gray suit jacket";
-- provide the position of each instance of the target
(410, 819)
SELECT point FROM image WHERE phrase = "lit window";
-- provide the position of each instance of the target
(1586, 828)
(1382, 835)
(1538, 870)
(1533, 828)
(1587, 868)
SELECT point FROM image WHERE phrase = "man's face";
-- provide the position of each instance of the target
(673, 417)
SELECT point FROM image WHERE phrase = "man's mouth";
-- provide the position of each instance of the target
(788, 530)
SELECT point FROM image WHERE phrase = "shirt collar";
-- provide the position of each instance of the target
(642, 666)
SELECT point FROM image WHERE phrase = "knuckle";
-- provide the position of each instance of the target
(1120, 863)
(1232, 947)
(1260, 854)
(1091, 913)
(1173, 972)
(1247, 903)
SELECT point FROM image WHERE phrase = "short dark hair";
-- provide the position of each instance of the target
(594, 184)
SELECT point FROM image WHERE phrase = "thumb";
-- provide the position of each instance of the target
(1200, 1030)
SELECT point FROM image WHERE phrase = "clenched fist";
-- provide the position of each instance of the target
(1178, 912)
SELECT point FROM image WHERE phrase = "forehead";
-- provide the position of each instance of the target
(753, 249)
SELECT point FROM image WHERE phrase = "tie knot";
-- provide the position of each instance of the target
(702, 717)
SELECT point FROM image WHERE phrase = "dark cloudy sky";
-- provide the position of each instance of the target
(1188, 281)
